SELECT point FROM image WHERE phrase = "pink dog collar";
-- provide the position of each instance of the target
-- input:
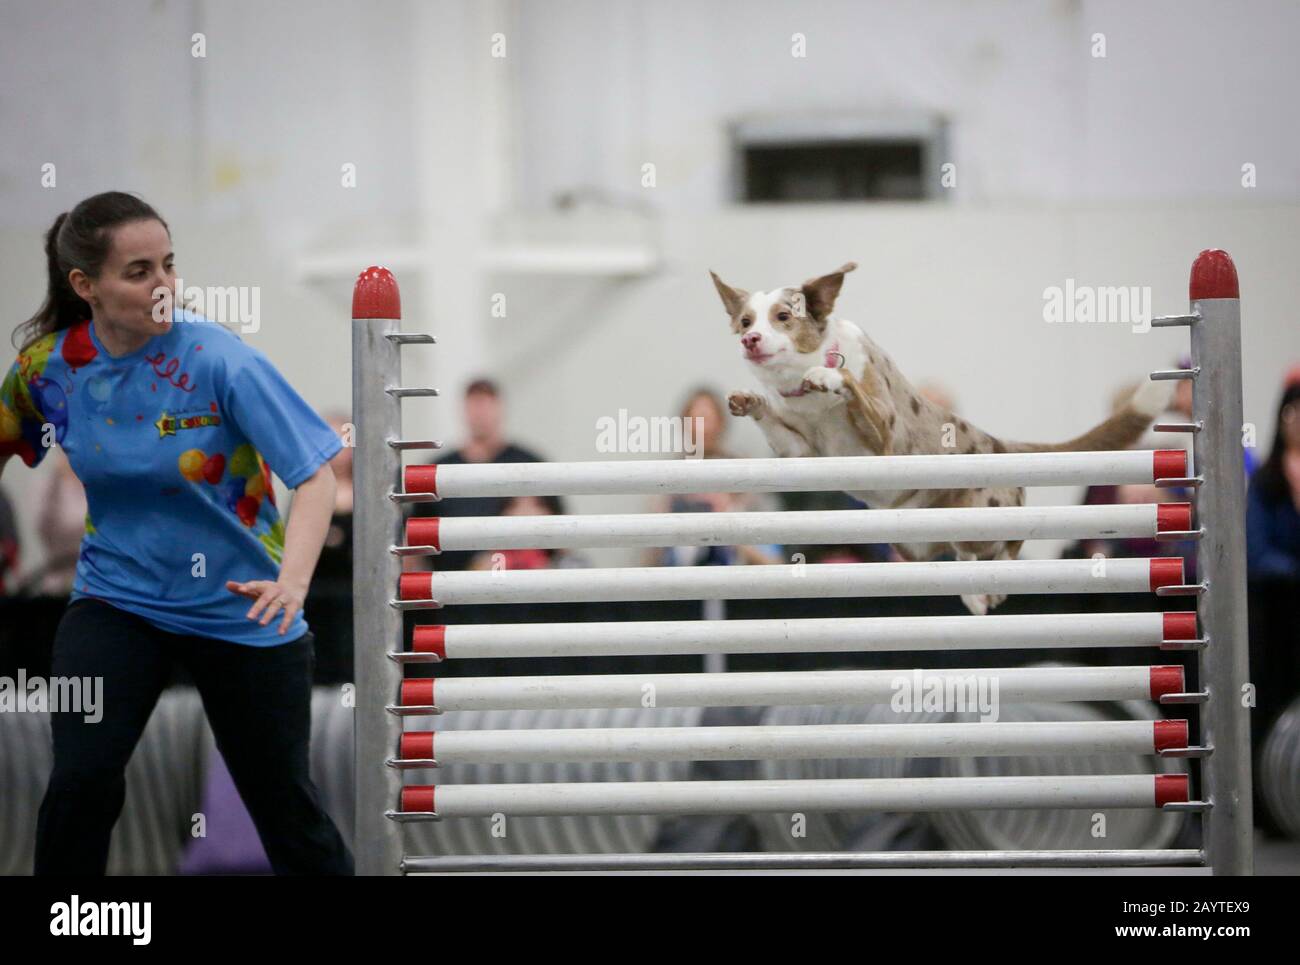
(834, 360)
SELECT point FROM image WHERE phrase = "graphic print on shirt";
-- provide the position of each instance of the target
(242, 482)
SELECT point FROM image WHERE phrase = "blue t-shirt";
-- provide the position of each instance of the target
(175, 444)
(1272, 536)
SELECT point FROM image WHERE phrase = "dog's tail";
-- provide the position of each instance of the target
(1120, 431)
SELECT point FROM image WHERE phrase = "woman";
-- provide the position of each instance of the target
(1273, 566)
(1273, 499)
(165, 417)
(525, 558)
(704, 416)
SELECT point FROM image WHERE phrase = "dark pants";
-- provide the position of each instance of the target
(258, 703)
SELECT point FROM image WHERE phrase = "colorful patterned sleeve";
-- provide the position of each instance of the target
(22, 423)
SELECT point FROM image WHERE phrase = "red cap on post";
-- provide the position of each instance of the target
(375, 294)
(1165, 464)
(1165, 571)
(1214, 276)
(1171, 789)
(430, 639)
(423, 531)
(418, 798)
(417, 692)
(414, 586)
(1180, 625)
(1167, 734)
(418, 744)
(421, 479)
(1166, 680)
(1170, 518)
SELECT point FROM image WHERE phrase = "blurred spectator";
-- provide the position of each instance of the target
(61, 525)
(937, 393)
(8, 547)
(484, 413)
(1273, 565)
(716, 555)
(524, 558)
(335, 565)
(1273, 500)
(707, 405)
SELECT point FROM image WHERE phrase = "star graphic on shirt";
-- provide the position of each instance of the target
(166, 425)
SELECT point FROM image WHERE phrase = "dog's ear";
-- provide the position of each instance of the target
(819, 294)
(733, 298)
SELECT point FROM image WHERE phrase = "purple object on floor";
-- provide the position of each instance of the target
(232, 845)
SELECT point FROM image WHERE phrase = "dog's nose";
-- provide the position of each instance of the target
(750, 340)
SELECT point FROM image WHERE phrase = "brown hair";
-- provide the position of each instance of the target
(483, 385)
(80, 238)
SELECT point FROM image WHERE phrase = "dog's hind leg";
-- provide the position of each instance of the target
(981, 603)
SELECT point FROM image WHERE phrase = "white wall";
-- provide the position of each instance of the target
(1187, 91)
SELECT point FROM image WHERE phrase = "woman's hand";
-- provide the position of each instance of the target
(271, 597)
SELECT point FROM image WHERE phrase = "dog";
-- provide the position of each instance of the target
(830, 390)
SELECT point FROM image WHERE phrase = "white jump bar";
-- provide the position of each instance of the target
(820, 635)
(953, 470)
(790, 581)
(766, 688)
(806, 742)
(843, 526)
(749, 797)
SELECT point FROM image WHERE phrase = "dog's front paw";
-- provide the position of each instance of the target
(746, 403)
(821, 379)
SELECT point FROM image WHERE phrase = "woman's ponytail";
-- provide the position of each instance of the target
(80, 238)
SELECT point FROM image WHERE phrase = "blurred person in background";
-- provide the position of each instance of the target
(938, 393)
(1273, 499)
(705, 409)
(9, 565)
(706, 405)
(763, 554)
(1273, 568)
(485, 442)
(335, 565)
(525, 558)
(61, 526)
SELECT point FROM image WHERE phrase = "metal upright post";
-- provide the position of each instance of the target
(377, 627)
(1221, 561)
